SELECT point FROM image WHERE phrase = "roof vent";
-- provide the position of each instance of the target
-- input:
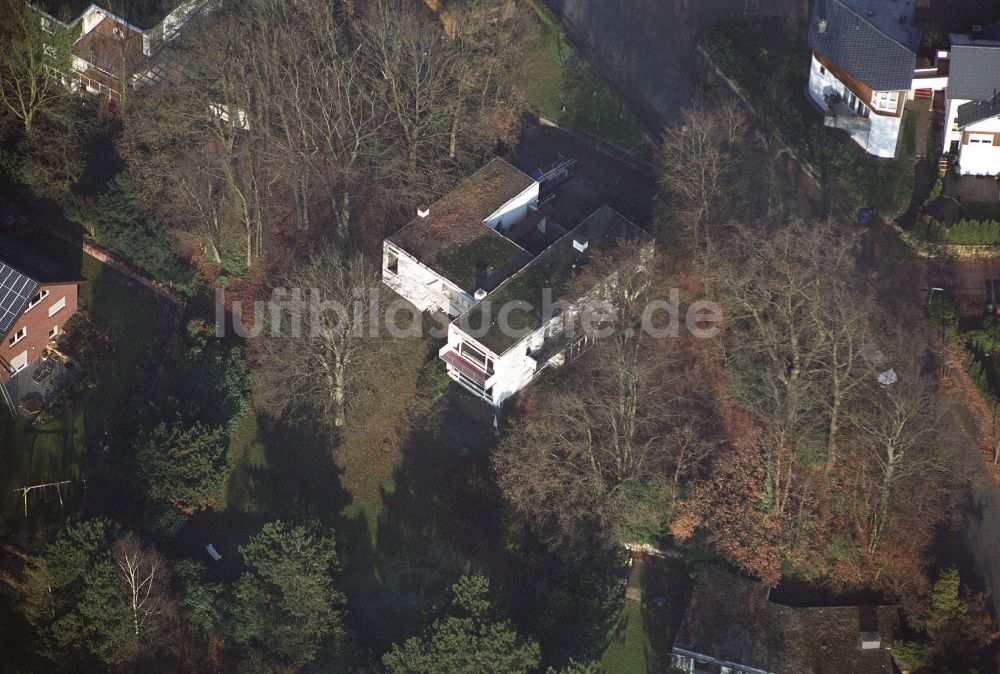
(871, 641)
(423, 212)
(480, 295)
(580, 244)
(822, 25)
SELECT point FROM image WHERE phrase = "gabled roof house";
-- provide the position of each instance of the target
(864, 56)
(972, 110)
(461, 257)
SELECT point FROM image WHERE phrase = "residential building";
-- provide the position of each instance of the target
(972, 109)
(469, 256)
(732, 627)
(864, 55)
(116, 44)
(458, 247)
(37, 297)
(527, 324)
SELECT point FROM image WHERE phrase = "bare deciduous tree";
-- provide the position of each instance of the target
(340, 352)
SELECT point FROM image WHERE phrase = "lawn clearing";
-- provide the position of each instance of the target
(53, 451)
(649, 624)
(556, 82)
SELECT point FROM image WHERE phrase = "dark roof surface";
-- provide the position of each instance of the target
(552, 270)
(453, 241)
(729, 618)
(976, 111)
(872, 40)
(974, 70)
(144, 14)
(16, 289)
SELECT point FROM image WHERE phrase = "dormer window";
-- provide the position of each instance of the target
(39, 296)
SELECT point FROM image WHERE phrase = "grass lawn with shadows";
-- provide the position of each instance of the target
(411, 510)
(650, 624)
(556, 82)
(54, 451)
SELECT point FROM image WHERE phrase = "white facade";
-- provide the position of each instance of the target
(872, 125)
(977, 146)
(501, 376)
(420, 285)
(427, 289)
(514, 211)
(952, 134)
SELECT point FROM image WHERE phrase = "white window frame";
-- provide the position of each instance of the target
(885, 101)
(57, 307)
(54, 332)
(18, 336)
(37, 299)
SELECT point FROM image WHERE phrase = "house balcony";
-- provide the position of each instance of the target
(839, 115)
(464, 366)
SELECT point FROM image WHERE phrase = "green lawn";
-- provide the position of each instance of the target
(32, 454)
(558, 84)
(649, 626)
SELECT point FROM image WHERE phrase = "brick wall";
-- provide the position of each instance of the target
(38, 324)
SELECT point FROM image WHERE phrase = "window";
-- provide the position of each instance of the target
(54, 332)
(18, 336)
(39, 296)
(981, 138)
(392, 263)
(57, 307)
(822, 70)
(885, 100)
(478, 357)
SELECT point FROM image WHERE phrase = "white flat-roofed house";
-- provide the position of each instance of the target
(864, 56)
(459, 257)
(503, 343)
(972, 111)
(458, 247)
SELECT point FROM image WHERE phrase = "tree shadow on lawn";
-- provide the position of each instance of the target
(440, 520)
(297, 481)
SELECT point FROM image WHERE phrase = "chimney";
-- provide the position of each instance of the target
(480, 295)
(580, 244)
(423, 212)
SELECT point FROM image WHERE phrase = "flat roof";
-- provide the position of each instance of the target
(452, 239)
(729, 618)
(553, 269)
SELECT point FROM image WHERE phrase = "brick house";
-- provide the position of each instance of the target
(37, 298)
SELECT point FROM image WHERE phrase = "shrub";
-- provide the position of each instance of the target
(115, 220)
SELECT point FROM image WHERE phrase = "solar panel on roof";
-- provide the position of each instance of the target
(16, 290)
